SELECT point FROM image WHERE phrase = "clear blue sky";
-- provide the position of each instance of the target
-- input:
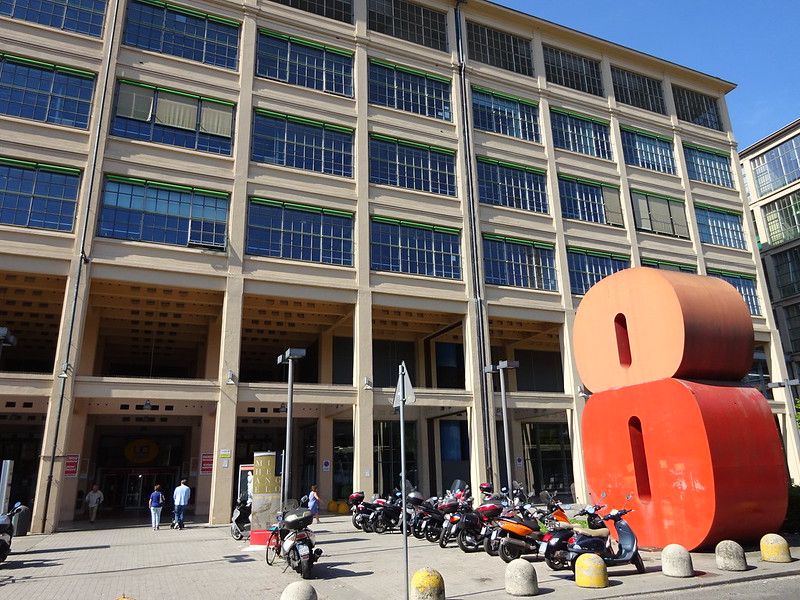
(754, 44)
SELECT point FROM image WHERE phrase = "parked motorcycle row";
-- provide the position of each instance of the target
(7, 530)
(504, 524)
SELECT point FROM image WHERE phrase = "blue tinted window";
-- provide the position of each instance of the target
(518, 264)
(341, 10)
(505, 115)
(588, 201)
(299, 233)
(504, 185)
(587, 268)
(413, 92)
(746, 286)
(38, 196)
(414, 166)
(192, 35)
(81, 16)
(709, 167)
(648, 152)
(575, 133)
(418, 250)
(721, 228)
(153, 212)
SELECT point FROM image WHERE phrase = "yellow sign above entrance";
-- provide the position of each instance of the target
(141, 451)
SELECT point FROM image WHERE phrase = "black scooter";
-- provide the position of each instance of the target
(7, 530)
(240, 520)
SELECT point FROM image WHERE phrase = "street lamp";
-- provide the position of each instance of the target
(500, 368)
(7, 339)
(289, 357)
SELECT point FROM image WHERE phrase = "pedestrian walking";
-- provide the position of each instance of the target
(156, 503)
(93, 501)
(314, 502)
(181, 498)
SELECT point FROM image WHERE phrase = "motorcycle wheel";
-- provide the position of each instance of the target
(305, 568)
(356, 522)
(432, 534)
(417, 531)
(444, 537)
(273, 543)
(508, 552)
(466, 541)
(557, 564)
(235, 533)
(366, 526)
(637, 562)
(379, 526)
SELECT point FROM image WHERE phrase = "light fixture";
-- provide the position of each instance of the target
(230, 378)
(147, 405)
(367, 383)
(65, 372)
(282, 407)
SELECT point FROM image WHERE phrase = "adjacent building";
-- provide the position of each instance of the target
(189, 189)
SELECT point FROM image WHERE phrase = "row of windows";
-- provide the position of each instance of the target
(777, 167)
(783, 219)
(80, 16)
(792, 313)
(787, 272)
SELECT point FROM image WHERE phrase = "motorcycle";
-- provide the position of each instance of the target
(7, 530)
(523, 532)
(454, 508)
(355, 500)
(293, 540)
(556, 540)
(512, 503)
(240, 520)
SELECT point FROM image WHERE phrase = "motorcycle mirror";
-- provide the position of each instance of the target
(603, 495)
(527, 507)
(18, 504)
(504, 489)
(567, 506)
(629, 496)
(590, 510)
(614, 511)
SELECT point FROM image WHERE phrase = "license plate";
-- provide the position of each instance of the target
(304, 550)
(542, 547)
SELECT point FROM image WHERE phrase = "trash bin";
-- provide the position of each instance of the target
(21, 521)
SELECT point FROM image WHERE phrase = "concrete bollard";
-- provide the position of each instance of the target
(775, 549)
(591, 571)
(333, 506)
(299, 590)
(676, 561)
(730, 556)
(521, 578)
(427, 584)
(343, 508)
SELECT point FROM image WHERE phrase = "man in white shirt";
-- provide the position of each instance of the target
(181, 498)
(93, 500)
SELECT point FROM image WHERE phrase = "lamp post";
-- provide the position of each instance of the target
(501, 368)
(289, 357)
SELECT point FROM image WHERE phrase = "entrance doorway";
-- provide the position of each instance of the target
(131, 488)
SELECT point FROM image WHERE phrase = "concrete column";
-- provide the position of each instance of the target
(224, 473)
(363, 410)
(325, 452)
(202, 484)
(75, 445)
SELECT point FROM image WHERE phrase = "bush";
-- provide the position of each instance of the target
(792, 522)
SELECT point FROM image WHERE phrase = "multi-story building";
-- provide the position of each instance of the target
(188, 191)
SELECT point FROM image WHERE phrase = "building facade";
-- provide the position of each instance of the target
(188, 191)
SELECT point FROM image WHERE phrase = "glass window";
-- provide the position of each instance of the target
(777, 167)
(43, 92)
(587, 268)
(411, 165)
(787, 272)
(415, 248)
(408, 21)
(340, 10)
(38, 196)
(792, 313)
(302, 144)
(745, 285)
(659, 214)
(506, 115)
(182, 32)
(580, 134)
(696, 108)
(719, 227)
(80, 16)
(783, 219)
(499, 49)
(299, 232)
(638, 90)
(512, 185)
(150, 211)
(519, 263)
(303, 63)
(708, 166)
(175, 118)
(573, 71)
(667, 266)
(411, 91)
(647, 151)
(590, 201)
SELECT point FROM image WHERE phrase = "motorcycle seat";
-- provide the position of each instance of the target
(603, 532)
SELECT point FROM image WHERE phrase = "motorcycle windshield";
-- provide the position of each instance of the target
(458, 485)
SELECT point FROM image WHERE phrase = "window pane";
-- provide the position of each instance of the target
(80, 16)
(638, 90)
(408, 21)
(216, 118)
(696, 108)
(341, 10)
(499, 49)
(176, 110)
(35, 196)
(573, 71)
(135, 102)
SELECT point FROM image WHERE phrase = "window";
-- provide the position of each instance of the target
(587, 267)
(668, 266)
(80, 16)
(744, 284)
(499, 49)
(708, 166)
(414, 248)
(777, 167)
(787, 272)
(183, 32)
(783, 219)
(696, 108)
(659, 214)
(638, 90)
(792, 313)
(299, 232)
(302, 144)
(149, 211)
(304, 63)
(573, 71)
(44, 92)
(409, 22)
(519, 263)
(505, 114)
(648, 151)
(411, 165)
(409, 90)
(718, 226)
(37, 195)
(168, 117)
(340, 10)
(580, 134)
(504, 184)
(590, 201)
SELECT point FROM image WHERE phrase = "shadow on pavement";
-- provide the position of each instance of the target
(72, 549)
(332, 571)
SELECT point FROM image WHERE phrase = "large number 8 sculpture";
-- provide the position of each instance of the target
(670, 420)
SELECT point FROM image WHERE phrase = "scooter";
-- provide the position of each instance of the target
(293, 540)
(556, 541)
(354, 500)
(7, 530)
(524, 534)
(240, 520)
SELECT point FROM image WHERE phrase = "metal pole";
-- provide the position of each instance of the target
(287, 453)
(403, 471)
(505, 426)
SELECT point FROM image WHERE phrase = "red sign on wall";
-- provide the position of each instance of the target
(71, 462)
(206, 463)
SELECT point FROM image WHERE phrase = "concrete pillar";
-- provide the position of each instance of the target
(325, 452)
(224, 472)
(202, 484)
(75, 445)
(363, 410)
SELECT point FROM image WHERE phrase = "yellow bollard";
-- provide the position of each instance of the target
(343, 508)
(591, 572)
(775, 549)
(427, 584)
(333, 506)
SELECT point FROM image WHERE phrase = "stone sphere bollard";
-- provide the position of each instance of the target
(775, 549)
(521, 578)
(676, 561)
(427, 584)
(343, 508)
(730, 556)
(299, 590)
(591, 571)
(333, 506)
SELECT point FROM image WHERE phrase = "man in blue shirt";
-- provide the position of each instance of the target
(181, 498)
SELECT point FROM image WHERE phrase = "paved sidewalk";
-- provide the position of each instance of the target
(204, 563)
